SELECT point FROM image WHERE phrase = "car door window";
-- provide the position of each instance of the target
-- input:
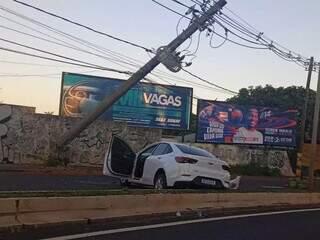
(163, 148)
(147, 152)
(141, 161)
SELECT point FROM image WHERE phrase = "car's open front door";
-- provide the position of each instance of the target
(119, 160)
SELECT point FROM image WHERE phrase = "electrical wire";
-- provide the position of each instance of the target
(180, 3)
(221, 44)
(87, 44)
(50, 53)
(56, 31)
(84, 26)
(170, 9)
(28, 19)
(62, 61)
(208, 82)
(159, 72)
(248, 31)
(38, 75)
(30, 64)
(240, 44)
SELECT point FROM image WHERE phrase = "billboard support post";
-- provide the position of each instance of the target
(314, 136)
(108, 101)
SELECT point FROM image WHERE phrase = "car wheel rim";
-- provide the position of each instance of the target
(159, 184)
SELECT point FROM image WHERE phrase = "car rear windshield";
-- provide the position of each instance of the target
(193, 151)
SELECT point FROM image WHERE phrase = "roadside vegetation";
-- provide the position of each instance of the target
(253, 169)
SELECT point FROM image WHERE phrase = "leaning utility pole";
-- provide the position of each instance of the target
(314, 137)
(165, 55)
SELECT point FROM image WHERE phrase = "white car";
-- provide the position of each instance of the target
(166, 164)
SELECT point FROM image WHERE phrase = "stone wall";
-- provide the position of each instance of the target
(241, 154)
(29, 138)
(244, 155)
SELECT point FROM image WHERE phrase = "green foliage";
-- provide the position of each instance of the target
(254, 169)
(283, 98)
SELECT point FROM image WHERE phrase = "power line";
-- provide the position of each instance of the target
(62, 61)
(158, 71)
(38, 75)
(54, 54)
(31, 64)
(208, 82)
(12, 12)
(77, 39)
(84, 26)
(180, 3)
(221, 44)
(258, 38)
(170, 9)
(67, 46)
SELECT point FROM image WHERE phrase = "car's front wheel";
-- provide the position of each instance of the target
(124, 182)
(160, 181)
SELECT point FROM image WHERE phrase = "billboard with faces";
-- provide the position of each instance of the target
(145, 104)
(222, 122)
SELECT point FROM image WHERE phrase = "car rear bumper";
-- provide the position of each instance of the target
(201, 182)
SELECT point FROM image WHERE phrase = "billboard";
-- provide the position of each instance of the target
(221, 122)
(145, 104)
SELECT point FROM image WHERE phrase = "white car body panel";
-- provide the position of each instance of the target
(205, 167)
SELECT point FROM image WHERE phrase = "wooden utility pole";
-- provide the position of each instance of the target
(304, 112)
(314, 136)
(162, 54)
(306, 102)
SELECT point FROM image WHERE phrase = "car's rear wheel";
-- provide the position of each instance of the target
(160, 181)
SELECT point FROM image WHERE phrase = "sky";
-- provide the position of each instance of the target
(291, 23)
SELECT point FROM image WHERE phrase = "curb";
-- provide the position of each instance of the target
(19, 212)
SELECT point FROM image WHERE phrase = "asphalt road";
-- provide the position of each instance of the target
(290, 224)
(16, 181)
(19, 181)
(304, 225)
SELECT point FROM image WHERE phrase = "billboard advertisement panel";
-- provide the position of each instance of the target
(145, 105)
(221, 122)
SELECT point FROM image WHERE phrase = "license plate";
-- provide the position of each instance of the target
(208, 182)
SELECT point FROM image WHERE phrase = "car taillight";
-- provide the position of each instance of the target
(186, 160)
(225, 167)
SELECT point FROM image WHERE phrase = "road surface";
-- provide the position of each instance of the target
(292, 225)
(19, 181)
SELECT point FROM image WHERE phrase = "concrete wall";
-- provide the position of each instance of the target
(240, 154)
(29, 138)
(244, 155)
